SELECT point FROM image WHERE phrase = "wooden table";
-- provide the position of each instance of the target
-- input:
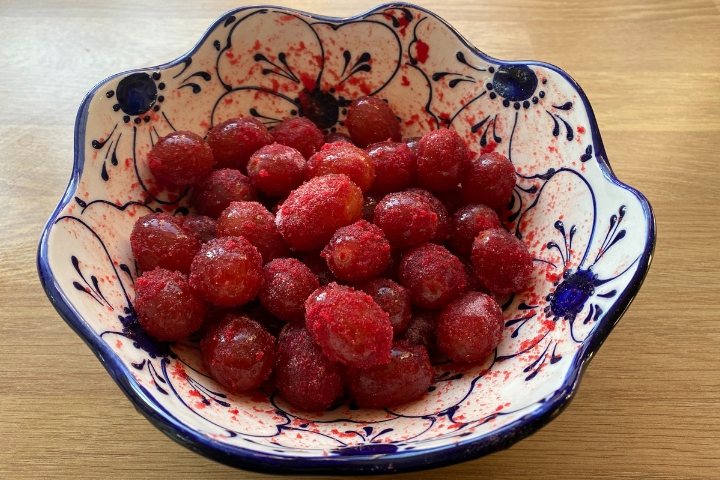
(649, 404)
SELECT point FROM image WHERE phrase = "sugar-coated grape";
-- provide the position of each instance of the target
(227, 271)
(467, 223)
(470, 327)
(343, 158)
(407, 219)
(357, 252)
(442, 230)
(239, 353)
(489, 180)
(286, 284)
(433, 276)
(421, 330)
(203, 227)
(161, 240)
(442, 158)
(234, 141)
(392, 298)
(255, 310)
(276, 169)
(349, 326)
(306, 378)
(395, 166)
(371, 120)
(337, 137)
(405, 377)
(312, 212)
(181, 158)
(300, 134)
(502, 262)
(253, 221)
(167, 307)
(214, 194)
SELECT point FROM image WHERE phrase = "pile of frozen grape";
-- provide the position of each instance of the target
(343, 264)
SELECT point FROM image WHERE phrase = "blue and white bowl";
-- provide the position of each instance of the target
(592, 236)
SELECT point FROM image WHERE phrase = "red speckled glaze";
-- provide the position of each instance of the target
(214, 194)
(502, 262)
(286, 284)
(343, 158)
(470, 328)
(253, 222)
(349, 326)
(357, 252)
(306, 378)
(406, 377)
(167, 308)
(311, 214)
(432, 275)
(408, 219)
(234, 141)
(276, 169)
(227, 271)
(160, 240)
(239, 353)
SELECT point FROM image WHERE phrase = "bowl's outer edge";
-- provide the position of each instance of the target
(361, 464)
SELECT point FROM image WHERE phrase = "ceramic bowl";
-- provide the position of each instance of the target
(592, 237)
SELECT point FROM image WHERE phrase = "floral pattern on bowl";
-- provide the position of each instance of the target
(592, 236)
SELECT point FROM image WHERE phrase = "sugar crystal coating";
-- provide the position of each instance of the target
(286, 284)
(392, 298)
(442, 230)
(239, 353)
(300, 134)
(467, 223)
(161, 240)
(234, 141)
(407, 219)
(214, 194)
(433, 276)
(181, 158)
(306, 378)
(349, 326)
(405, 377)
(254, 222)
(227, 271)
(166, 305)
(395, 166)
(357, 252)
(470, 327)
(442, 158)
(343, 158)
(311, 214)
(502, 262)
(489, 180)
(276, 169)
(371, 120)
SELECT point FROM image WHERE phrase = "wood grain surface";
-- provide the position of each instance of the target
(649, 403)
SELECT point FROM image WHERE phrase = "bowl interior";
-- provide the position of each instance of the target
(591, 236)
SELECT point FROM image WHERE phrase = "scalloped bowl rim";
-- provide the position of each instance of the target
(248, 459)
